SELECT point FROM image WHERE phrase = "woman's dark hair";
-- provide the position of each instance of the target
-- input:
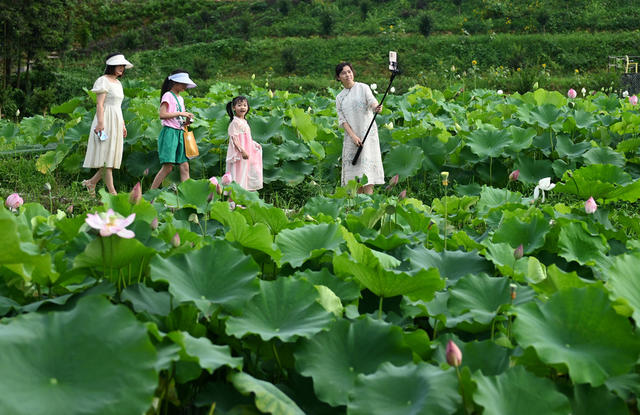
(111, 69)
(233, 103)
(168, 83)
(341, 66)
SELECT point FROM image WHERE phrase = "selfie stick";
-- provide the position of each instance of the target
(393, 67)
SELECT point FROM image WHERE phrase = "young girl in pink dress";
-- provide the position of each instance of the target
(244, 156)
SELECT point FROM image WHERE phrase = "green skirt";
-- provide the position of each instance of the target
(171, 146)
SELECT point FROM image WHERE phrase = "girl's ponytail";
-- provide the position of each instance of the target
(230, 110)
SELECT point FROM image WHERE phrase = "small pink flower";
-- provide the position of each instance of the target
(402, 194)
(513, 177)
(226, 179)
(175, 241)
(518, 252)
(136, 194)
(572, 93)
(394, 180)
(454, 355)
(590, 206)
(14, 201)
(154, 224)
(110, 223)
(633, 100)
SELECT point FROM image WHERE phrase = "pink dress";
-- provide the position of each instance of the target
(247, 173)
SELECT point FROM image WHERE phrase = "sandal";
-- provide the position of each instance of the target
(91, 188)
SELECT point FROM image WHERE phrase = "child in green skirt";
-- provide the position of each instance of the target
(174, 117)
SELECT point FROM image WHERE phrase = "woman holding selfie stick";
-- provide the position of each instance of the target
(355, 105)
(106, 137)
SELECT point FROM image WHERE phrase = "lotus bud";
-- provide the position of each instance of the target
(145, 172)
(513, 287)
(14, 201)
(454, 355)
(253, 76)
(226, 179)
(194, 218)
(392, 90)
(445, 178)
(136, 194)
(210, 197)
(590, 206)
(500, 92)
(47, 187)
(535, 85)
(175, 241)
(572, 93)
(513, 177)
(402, 194)
(633, 100)
(518, 252)
(625, 94)
(154, 224)
(17, 113)
(583, 91)
(388, 188)
(69, 210)
(271, 94)
(374, 87)
(394, 180)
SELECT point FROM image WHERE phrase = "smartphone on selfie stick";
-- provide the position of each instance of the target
(393, 67)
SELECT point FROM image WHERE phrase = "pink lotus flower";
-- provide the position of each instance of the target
(227, 179)
(590, 206)
(214, 181)
(111, 223)
(518, 252)
(14, 201)
(572, 93)
(633, 100)
(454, 355)
(175, 241)
(513, 177)
(394, 180)
(136, 194)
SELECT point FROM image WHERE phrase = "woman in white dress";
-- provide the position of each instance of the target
(104, 149)
(355, 105)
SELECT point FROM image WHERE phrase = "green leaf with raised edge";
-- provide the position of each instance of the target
(292, 150)
(94, 358)
(451, 264)
(317, 149)
(575, 243)
(542, 97)
(547, 116)
(597, 180)
(579, 328)
(567, 148)
(285, 308)
(604, 155)
(335, 358)
(521, 138)
(290, 172)
(488, 141)
(303, 123)
(596, 401)
(557, 280)
(527, 228)
(480, 296)
(420, 389)
(271, 216)
(145, 299)
(269, 399)
(347, 290)
(301, 244)
(531, 171)
(217, 273)
(262, 129)
(517, 391)
(209, 356)
(66, 107)
(491, 198)
(191, 193)
(624, 282)
(403, 160)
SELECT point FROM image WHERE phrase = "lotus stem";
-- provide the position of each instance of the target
(460, 385)
(380, 308)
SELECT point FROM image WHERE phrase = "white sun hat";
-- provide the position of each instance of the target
(182, 78)
(119, 60)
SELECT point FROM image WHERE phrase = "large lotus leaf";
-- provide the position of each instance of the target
(323, 204)
(547, 116)
(542, 97)
(404, 160)
(255, 236)
(491, 198)
(597, 180)
(488, 141)
(303, 123)
(480, 296)
(191, 193)
(269, 399)
(604, 155)
(217, 273)
(579, 328)
(371, 269)
(33, 127)
(262, 129)
(145, 299)
(596, 401)
(566, 148)
(50, 160)
(290, 172)
(137, 162)
(209, 356)
(531, 171)
(335, 358)
(94, 358)
(271, 216)
(558, 279)
(301, 244)
(575, 243)
(420, 389)
(285, 308)
(485, 355)
(526, 228)
(521, 138)
(347, 290)
(629, 193)
(451, 264)
(292, 150)
(436, 151)
(624, 282)
(66, 107)
(517, 391)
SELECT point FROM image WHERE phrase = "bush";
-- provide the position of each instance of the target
(288, 60)
(326, 23)
(425, 26)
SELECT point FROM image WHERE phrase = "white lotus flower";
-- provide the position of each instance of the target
(543, 185)
(625, 94)
(374, 86)
(393, 89)
(500, 92)
(584, 91)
